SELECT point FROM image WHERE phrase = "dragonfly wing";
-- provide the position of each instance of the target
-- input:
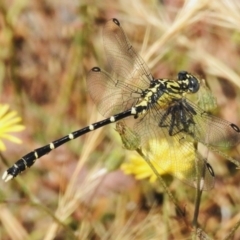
(110, 96)
(213, 131)
(128, 66)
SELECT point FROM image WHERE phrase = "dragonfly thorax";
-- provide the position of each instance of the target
(149, 97)
(164, 92)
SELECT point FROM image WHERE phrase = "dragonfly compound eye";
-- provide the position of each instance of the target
(194, 84)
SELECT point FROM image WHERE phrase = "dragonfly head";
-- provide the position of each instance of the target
(193, 84)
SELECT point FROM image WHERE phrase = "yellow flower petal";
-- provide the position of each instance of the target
(2, 146)
(3, 109)
(11, 138)
(9, 122)
(10, 118)
(14, 128)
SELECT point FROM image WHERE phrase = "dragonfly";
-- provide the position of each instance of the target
(159, 108)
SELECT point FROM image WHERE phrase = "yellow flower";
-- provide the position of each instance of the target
(9, 123)
(175, 157)
(163, 160)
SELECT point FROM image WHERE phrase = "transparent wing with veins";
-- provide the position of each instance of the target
(127, 65)
(120, 90)
(111, 96)
(213, 131)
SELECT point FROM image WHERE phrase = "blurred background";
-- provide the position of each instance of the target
(78, 191)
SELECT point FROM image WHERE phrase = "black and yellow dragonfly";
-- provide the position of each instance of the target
(159, 107)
